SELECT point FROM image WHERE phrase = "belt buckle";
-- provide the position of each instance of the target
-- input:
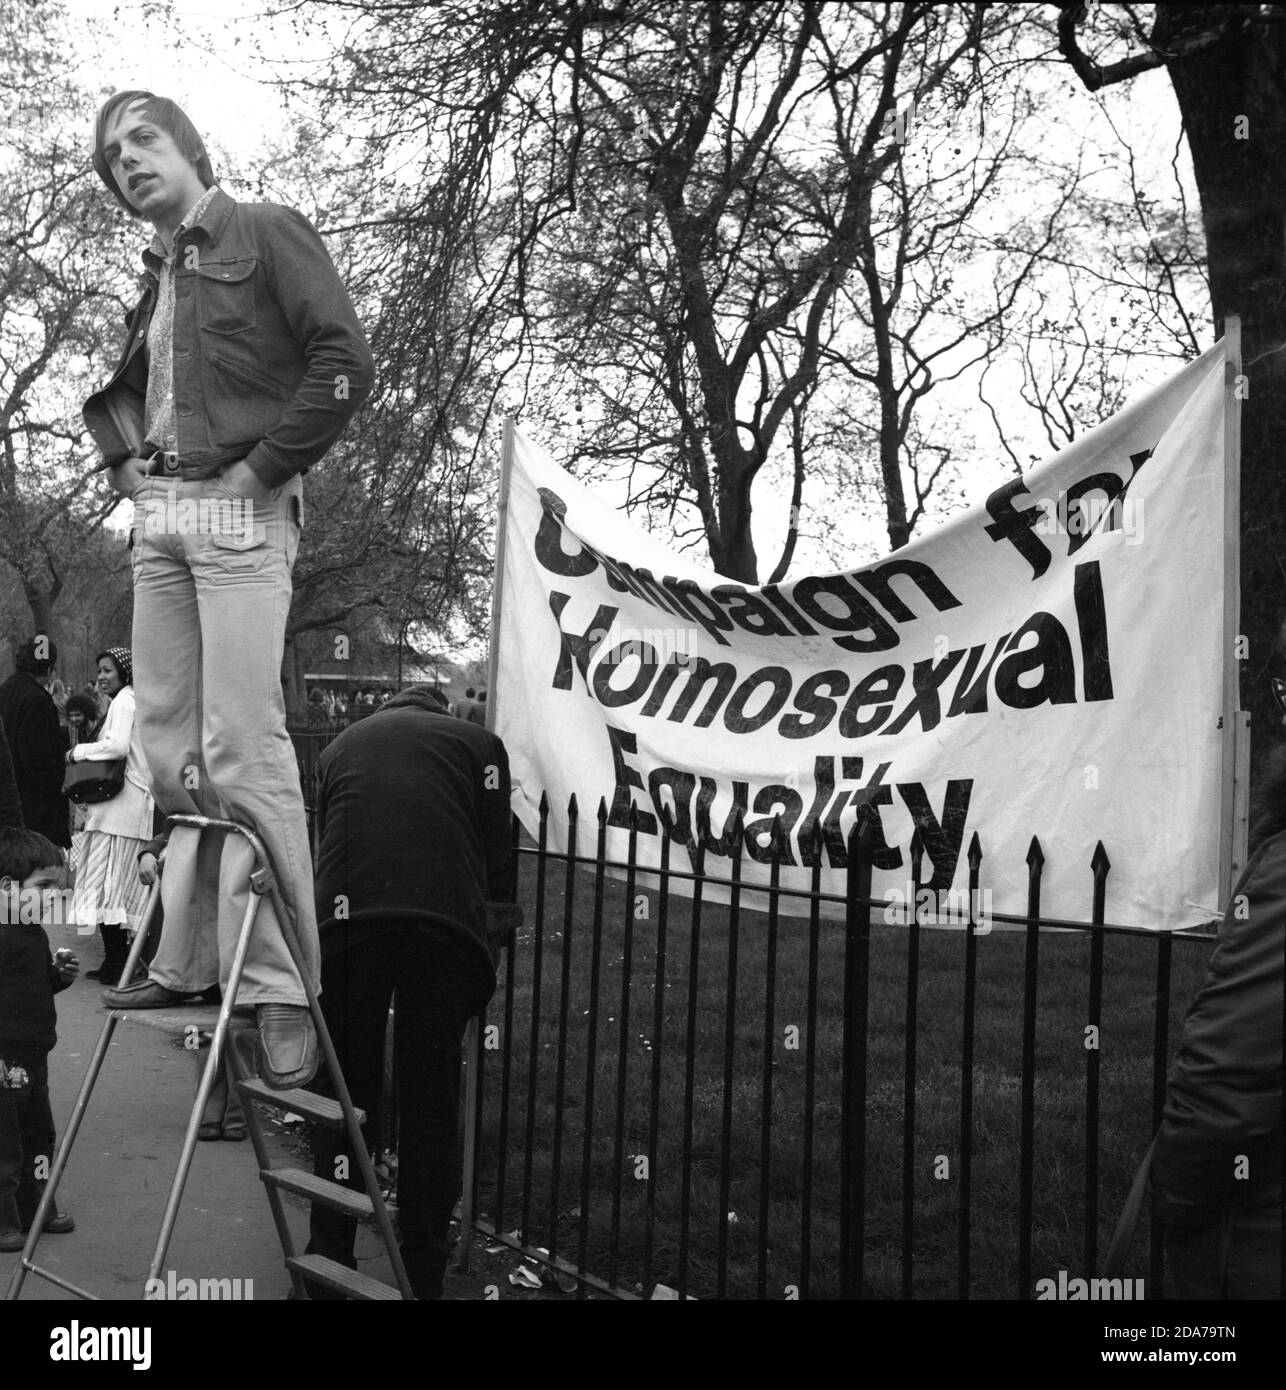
(164, 461)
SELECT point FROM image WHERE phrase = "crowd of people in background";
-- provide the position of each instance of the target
(48, 728)
(84, 710)
(325, 706)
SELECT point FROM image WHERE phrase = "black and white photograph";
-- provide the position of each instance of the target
(643, 658)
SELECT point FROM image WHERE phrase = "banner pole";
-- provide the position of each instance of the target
(498, 582)
(472, 1052)
(1234, 789)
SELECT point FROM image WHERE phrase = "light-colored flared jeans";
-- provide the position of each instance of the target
(212, 586)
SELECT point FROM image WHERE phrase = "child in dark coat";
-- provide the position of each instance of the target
(30, 866)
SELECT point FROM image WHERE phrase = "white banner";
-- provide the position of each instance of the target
(1048, 664)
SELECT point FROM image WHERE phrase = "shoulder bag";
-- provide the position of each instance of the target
(89, 782)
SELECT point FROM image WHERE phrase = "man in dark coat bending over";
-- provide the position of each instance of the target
(414, 839)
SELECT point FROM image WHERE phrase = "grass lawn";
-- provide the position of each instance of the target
(727, 1209)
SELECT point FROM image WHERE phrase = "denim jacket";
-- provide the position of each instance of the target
(269, 358)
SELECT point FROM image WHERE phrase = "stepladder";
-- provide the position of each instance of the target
(362, 1202)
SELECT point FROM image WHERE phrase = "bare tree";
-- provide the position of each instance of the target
(1225, 63)
(412, 567)
(56, 308)
(1118, 292)
(690, 217)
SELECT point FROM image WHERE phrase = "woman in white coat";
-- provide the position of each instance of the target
(109, 892)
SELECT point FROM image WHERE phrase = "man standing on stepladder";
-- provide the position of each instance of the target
(243, 363)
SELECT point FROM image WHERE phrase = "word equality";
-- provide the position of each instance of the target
(812, 822)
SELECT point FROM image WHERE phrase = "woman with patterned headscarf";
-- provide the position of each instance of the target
(108, 890)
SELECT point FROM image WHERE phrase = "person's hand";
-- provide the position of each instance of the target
(126, 475)
(67, 966)
(240, 478)
(147, 869)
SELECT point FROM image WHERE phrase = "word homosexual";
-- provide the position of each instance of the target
(884, 700)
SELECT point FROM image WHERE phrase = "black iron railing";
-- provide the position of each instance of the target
(774, 1103)
(806, 1099)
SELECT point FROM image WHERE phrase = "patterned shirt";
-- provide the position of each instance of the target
(158, 419)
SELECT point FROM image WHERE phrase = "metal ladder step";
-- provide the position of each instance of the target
(327, 1113)
(341, 1278)
(356, 1205)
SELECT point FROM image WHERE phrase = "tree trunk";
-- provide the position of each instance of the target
(1234, 112)
(733, 550)
(41, 603)
(891, 468)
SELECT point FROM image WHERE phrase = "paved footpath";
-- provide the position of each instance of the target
(125, 1156)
